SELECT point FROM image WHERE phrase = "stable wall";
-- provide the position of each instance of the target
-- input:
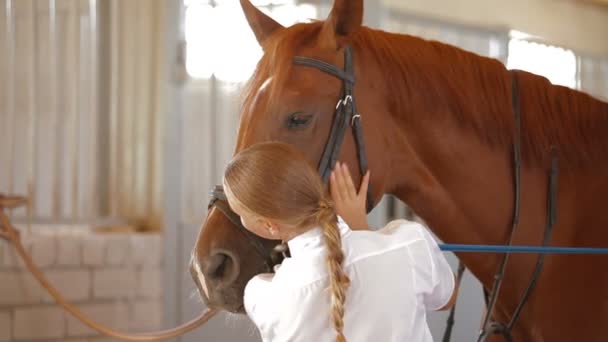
(579, 26)
(114, 277)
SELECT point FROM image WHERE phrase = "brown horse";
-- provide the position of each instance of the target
(438, 125)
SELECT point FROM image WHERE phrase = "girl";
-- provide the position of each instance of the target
(368, 285)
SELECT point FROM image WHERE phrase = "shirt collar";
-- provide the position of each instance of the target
(313, 238)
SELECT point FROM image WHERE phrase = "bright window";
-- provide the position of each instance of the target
(552, 62)
(220, 41)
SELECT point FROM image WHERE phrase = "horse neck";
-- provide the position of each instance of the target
(462, 189)
(458, 185)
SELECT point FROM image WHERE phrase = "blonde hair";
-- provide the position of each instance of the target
(276, 181)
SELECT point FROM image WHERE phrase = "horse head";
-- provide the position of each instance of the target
(297, 103)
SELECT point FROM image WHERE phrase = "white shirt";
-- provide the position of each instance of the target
(396, 273)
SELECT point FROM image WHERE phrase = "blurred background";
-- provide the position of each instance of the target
(118, 116)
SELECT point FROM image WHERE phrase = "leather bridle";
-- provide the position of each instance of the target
(345, 115)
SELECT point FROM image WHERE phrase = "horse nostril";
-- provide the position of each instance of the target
(221, 266)
(216, 266)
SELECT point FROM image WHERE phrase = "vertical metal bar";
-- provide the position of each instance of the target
(146, 112)
(71, 126)
(125, 166)
(172, 175)
(10, 127)
(114, 124)
(53, 87)
(157, 129)
(32, 114)
(77, 113)
(130, 106)
(136, 111)
(93, 113)
(216, 124)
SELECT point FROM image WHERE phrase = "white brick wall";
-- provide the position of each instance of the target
(115, 278)
(113, 282)
(74, 285)
(115, 315)
(140, 247)
(149, 282)
(69, 250)
(93, 250)
(18, 287)
(146, 315)
(117, 250)
(35, 323)
(43, 249)
(10, 257)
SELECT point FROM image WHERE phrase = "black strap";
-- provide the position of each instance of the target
(346, 114)
(489, 327)
(219, 201)
(551, 221)
(325, 67)
(332, 148)
(497, 328)
(498, 278)
(447, 335)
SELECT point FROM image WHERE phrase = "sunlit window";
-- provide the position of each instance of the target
(220, 41)
(552, 62)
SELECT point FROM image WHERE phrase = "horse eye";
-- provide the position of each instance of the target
(298, 120)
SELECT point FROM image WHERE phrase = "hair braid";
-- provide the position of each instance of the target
(338, 279)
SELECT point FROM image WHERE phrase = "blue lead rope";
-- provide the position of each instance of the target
(520, 249)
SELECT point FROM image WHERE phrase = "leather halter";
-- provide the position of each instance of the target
(345, 114)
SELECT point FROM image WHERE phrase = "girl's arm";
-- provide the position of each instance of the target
(452, 300)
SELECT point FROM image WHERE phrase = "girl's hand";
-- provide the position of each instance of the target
(350, 205)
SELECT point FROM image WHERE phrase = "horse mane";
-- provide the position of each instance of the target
(477, 90)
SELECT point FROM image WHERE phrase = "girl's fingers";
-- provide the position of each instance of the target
(364, 184)
(333, 187)
(341, 180)
(348, 180)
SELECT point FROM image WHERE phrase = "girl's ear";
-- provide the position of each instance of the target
(271, 227)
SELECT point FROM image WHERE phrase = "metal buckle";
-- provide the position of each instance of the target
(352, 120)
(344, 101)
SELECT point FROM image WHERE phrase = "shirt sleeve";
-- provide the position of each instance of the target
(257, 303)
(433, 276)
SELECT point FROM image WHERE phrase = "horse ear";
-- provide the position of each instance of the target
(346, 17)
(261, 24)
